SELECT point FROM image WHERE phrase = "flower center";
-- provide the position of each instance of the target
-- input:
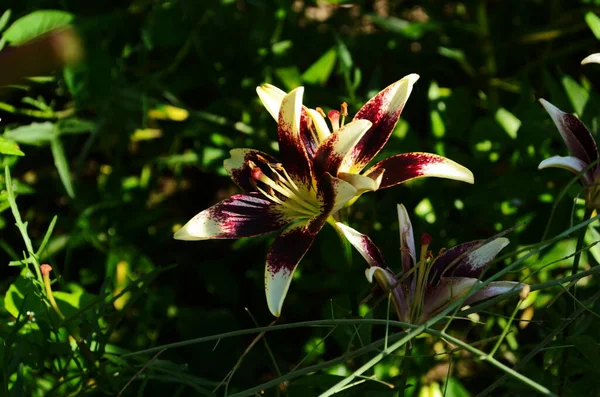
(273, 182)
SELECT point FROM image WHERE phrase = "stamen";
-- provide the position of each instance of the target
(321, 112)
(344, 112)
(334, 117)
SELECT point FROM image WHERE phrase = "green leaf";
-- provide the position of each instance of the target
(410, 30)
(72, 300)
(594, 23)
(33, 134)
(589, 348)
(7, 147)
(509, 122)
(578, 96)
(289, 76)
(14, 300)
(4, 19)
(36, 24)
(60, 161)
(319, 72)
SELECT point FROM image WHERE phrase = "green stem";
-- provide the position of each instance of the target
(563, 365)
(405, 369)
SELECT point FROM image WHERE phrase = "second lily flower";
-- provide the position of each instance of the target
(319, 173)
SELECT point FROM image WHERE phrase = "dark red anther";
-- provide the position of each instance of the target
(426, 239)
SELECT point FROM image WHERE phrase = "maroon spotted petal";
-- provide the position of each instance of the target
(292, 149)
(577, 137)
(241, 215)
(238, 166)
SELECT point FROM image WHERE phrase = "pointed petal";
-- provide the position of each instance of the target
(449, 258)
(447, 291)
(407, 240)
(319, 123)
(239, 170)
(242, 215)
(493, 289)
(364, 245)
(291, 146)
(283, 258)
(569, 163)
(383, 110)
(593, 58)
(331, 154)
(473, 262)
(334, 193)
(271, 98)
(577, 137)
(362, 183)
(407, 166)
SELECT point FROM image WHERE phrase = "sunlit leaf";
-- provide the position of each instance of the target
(319, 72)
(594, 23)
(36, 24)
(10, 148)
(33, 134)
(60, 161)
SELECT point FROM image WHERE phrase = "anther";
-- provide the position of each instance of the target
(321, 112)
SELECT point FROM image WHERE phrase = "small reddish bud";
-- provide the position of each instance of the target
(426, 239)
(45, 269)
(334, 117)
(256, 173)
(344, 109)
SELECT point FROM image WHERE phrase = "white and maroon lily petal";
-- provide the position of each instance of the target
(271, 98)
(239, 166)
(449, 259)
(241, 215)
(383, 110)
(284, 255)
(407, 240)
(291, 146)
(331, 156)
(363, 183)
(493, 289)
(364, 245)
(593, 58)
(407, 166)
(473, 261)
(447, 291)
(334, 193)
(577, 137)
(570, 163)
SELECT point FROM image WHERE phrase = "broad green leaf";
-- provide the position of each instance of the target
(4, 19)
(346, 61)
(33, 134)
(319, 72)
(594, 23)
(289, 76)
(15, 296)
(60, 161)
(411, 30)
(73, 125)
(7, 147)
(72, 300)
(36, 24)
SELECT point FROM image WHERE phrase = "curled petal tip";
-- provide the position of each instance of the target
(594, 58)
(411, 78)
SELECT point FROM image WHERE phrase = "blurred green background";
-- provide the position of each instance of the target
(128, 145)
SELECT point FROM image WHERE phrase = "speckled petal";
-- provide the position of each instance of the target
(473, 262)
(239, 170)
(331, 154)
(407, 239)
(334, 193)
(577, 137)
(363, 244)
(407, 166)
(383, 110)
(241, 215)
(292, 148)
(447, 291)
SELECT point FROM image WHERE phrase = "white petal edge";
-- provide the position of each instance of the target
(449, 170)
(198, 228)
(271, 98)
(484, 254)
(569, 163)
(359, 241)
(278, 285)
(407, 239)
(593, 58)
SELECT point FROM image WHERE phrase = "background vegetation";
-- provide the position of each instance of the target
(126, 146)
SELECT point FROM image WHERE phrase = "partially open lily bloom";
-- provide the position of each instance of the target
(318, 174)
(428, 284)
(583, 149)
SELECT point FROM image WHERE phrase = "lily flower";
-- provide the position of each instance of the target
(313, 180)
(428, 284)
(583, 149)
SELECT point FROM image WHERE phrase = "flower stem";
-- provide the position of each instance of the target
(563, 365)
